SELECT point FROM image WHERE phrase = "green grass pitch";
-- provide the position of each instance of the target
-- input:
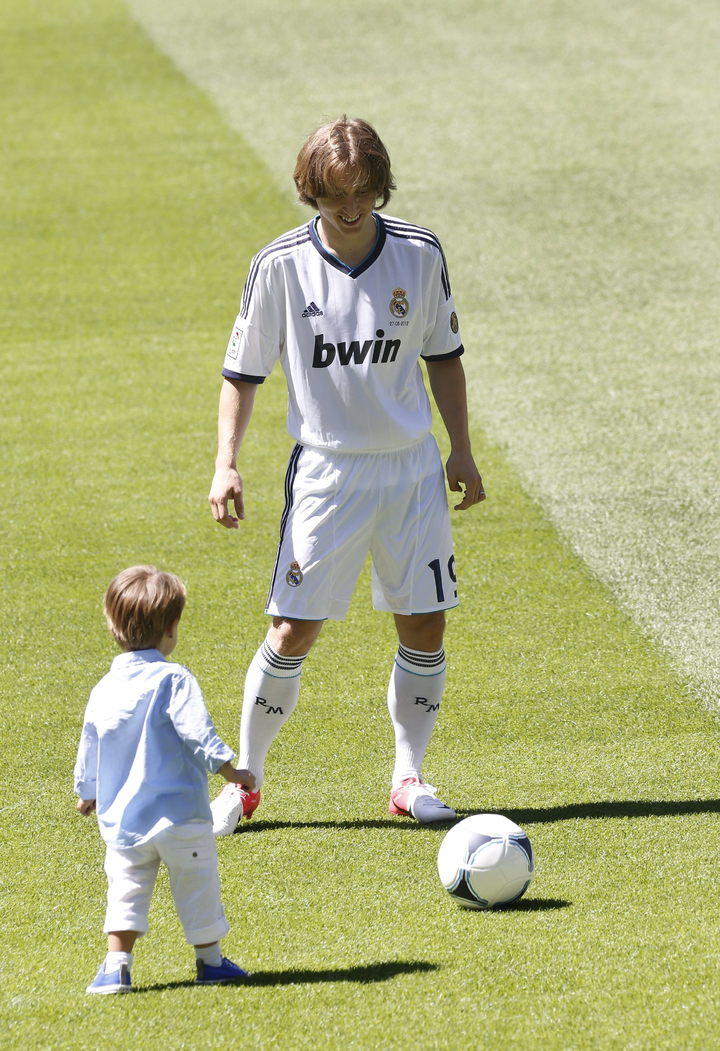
(130, 210)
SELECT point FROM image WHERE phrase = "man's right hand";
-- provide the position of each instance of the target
(226, 491)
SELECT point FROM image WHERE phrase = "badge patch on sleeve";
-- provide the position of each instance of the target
(233, 345)
(454, 323)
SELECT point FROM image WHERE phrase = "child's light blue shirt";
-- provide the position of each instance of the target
(146, 748)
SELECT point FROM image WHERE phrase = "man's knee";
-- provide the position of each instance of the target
(421, 631)
(293, 638)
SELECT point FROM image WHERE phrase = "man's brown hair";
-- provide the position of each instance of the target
(141, 603)
(344, 154)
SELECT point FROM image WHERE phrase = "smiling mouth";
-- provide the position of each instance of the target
(350, 222)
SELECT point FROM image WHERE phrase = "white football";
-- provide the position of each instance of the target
(486, 860)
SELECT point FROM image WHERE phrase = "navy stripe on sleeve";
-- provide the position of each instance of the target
(230, 375)
(445, 357)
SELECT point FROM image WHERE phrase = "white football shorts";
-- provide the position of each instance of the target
(341, 506)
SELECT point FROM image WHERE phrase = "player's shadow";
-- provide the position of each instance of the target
(627, 808)
(363, 974)
(275, 826)
(521, 815)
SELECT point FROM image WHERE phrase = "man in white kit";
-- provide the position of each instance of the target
(348, 304)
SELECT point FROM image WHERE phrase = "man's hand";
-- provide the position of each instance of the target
(227, 489)
(462, 473)
(85, 806)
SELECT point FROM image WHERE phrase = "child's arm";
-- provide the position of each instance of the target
(85, 773)
(238, 777)
(194, 727)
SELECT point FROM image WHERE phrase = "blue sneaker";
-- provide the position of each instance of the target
(226, 972)
(111, 981)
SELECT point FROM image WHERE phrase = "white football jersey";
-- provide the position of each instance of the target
(348, 340)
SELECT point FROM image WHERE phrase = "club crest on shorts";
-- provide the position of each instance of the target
(294, 575)
(399, 305)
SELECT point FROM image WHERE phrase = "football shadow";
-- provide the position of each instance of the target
(532, 905)
(363, 974)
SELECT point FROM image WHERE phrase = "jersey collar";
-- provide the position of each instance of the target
(351, 271)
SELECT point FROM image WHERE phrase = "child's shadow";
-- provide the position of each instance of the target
(371, 972)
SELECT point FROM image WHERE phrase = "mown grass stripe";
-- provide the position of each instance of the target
(566, 154)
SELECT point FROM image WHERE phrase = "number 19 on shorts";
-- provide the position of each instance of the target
(445, 578)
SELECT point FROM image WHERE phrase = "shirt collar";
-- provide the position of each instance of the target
(139, 656)
(362, 266)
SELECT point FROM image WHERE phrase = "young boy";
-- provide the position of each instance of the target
(348, 304)
(146, 746)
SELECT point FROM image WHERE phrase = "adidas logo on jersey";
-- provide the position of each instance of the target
(378, 351)
(312, 310)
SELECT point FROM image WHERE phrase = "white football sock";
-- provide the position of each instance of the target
(414, 694)
(115, 960)
(209, 954)
(272, 685)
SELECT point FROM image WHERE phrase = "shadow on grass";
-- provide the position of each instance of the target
(400, 823)
(609, 809)
(363, 974)
(521, 815)
(533, 905)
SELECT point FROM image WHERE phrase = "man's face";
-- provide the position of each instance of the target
(348, 212)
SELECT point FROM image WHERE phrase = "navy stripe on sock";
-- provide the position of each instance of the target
(275, 660)
(422, 660)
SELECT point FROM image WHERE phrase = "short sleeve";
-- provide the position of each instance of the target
(442, 330)
(257, 336)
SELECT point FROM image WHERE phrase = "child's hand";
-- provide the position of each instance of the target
(246, 778)
(85, 806)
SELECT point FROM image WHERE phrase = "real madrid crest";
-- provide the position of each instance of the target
(399, 305)
(294, 575)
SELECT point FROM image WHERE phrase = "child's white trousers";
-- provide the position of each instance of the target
(190, 855)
